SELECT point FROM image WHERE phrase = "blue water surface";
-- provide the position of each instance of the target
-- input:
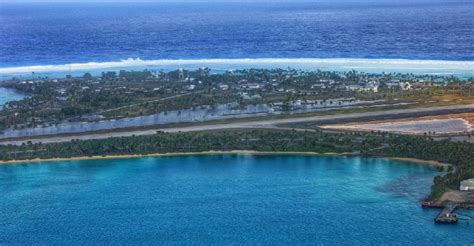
(7, 95)
(222, 199)
(63, 33)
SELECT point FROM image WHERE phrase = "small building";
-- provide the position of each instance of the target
(224, 87)
(467, 185)
(251, 86)
(191, 87)
(406, 86)
(318, 86)
(366, 88)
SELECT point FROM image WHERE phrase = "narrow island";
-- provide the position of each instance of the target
(422, 118)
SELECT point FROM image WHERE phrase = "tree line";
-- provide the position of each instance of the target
(459, 154)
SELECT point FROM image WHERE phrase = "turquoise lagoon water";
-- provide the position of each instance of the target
(7, 95)
(222, 199)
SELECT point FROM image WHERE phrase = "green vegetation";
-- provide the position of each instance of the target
(459, 154)
(135, 93)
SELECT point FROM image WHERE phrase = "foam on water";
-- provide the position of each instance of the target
(441, 67)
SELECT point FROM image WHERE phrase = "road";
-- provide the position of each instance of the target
(270, 123)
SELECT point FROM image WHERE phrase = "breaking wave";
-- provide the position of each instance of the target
(428, 66)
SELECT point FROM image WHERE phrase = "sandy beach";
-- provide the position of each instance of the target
(99, 157)
(212, 152)
(421, 161)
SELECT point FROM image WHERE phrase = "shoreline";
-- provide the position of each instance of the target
(217, 152)
(421, 161)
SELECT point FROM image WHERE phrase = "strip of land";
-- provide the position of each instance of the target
(255, 123)
(243, 152)
(440, 126)
(435, 124)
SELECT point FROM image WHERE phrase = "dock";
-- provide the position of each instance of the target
(447, 215)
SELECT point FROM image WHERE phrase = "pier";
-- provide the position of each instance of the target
(447, 215)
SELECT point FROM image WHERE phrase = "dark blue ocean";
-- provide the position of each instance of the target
(222, 199)
(63, 33)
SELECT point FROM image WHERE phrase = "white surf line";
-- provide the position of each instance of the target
(353, 63)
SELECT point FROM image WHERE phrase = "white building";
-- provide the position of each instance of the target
(251, 86)
(369, 87)
(224, 87)
(467, 185)
(405, 85)
(318, 86)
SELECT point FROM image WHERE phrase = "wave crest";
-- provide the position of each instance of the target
(430, 66)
